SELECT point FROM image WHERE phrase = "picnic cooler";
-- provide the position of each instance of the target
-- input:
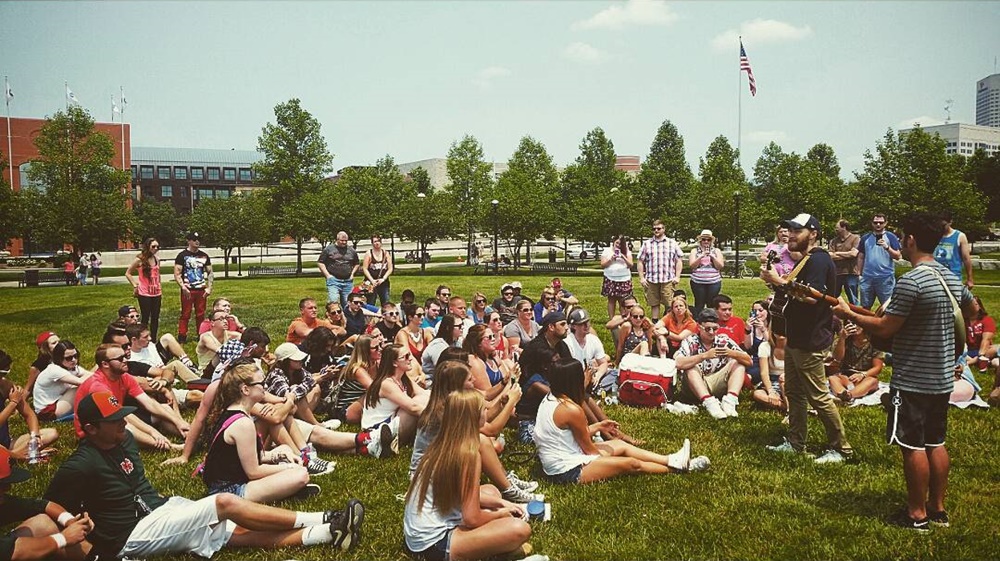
(645, 381)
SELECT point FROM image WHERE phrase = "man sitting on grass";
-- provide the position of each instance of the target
(145, 361)
(713, 366)
(105, 477)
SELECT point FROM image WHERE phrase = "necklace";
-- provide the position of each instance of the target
(400, 384)
(415, 336)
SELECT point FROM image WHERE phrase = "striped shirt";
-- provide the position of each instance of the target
(659, 258)
(923, 349)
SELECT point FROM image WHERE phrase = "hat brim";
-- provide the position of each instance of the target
(17, 475)
(125, 411)
(792, 225)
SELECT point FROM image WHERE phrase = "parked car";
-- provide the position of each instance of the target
(583, 251)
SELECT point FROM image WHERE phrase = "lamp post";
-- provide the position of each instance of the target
(736, 265)
(420, 249)
(496, 255)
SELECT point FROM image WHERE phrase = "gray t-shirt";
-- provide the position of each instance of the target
(923, 356)
(423, 439)
(338, 261)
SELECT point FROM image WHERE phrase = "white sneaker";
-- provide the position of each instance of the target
(332, 424)
(180, 396)
(681, 459)
(714, 409)
(831, 456)
(729, 403)
(785, 447)
(699, 463)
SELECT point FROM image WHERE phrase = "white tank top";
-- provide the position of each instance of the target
(558, 451)
(384, 410)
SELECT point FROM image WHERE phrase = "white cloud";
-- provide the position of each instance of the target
(924, 121)
(485, 77)
(584, 53)
(764, 137)
(759, 32)
(631, 12)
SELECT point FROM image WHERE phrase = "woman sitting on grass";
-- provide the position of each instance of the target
(674, 327)
(453, 376)
(565, 443)
(354, 380)
(411, 335)
(769, 392)
(45, 342)
(392, 397)
(980, 330)
(859, 364)
(634, 335)
(490, 375)
(236, 462)
(448, 514)
(55, 387)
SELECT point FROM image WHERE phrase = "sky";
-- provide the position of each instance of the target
(410, 78)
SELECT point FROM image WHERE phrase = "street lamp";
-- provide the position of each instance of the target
(420, 248)
(736, 266)
(496, 255)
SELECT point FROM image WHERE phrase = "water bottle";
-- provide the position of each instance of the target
(33, 449)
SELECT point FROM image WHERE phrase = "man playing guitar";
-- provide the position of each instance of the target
(810, 334)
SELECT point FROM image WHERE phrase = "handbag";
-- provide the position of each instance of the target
(646, 381)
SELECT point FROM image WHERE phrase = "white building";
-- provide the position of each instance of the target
(965, 139)
(988, 101)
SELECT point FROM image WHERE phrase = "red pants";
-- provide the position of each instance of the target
(197, 298)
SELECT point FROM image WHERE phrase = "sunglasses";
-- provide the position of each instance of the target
(710, 329)
(492, 337)
(127, 347)
(335, 312)
(445, 294)
(525, 310)
(394, 314)
(638, 316)
(480, 300)
(71, 357)
(878, 222)
(419, 314)
(117, 358)
(260, 383)
(508, 293)
(657, 227)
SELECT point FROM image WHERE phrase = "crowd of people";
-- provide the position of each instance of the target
(445, 378)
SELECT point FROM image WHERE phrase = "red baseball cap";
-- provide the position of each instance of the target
(43, 337)
(9, 473)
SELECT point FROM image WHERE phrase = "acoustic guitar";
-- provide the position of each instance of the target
(800, 291)
(779, 301)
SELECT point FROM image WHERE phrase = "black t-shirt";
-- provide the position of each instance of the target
(41, 362)
(536, 358)
(105, 484)
(222, 462)
(810, 326)
(356, 323)
(388, 332)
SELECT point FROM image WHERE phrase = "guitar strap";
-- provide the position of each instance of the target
(798, 267)
(956, 310)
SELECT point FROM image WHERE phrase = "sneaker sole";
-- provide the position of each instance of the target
(389, 442)
(356, 511)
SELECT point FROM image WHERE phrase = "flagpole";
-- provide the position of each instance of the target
(10, 155)
(122, 121)
(739, 113)
(66, 93)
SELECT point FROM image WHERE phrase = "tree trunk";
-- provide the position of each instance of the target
(421, 249)
(527, 253)
(298, 256)
(226, 252)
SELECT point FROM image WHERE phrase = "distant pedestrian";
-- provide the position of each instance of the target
(95, 268)
(339, 262)
(81, 270)
(193, 273)
(147, 286)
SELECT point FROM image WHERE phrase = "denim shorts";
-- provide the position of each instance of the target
(238, 489)
(440, 551)
(571, 476)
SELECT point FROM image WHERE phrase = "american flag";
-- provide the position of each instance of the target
(745, 65)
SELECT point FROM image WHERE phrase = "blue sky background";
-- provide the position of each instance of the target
(409, 78)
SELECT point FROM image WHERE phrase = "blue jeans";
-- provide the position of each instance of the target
(338, 290)
(703, 294)
(848, 284)
(381, 292)
(872, 287)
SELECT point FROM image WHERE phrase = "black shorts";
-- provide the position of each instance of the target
(916, 420)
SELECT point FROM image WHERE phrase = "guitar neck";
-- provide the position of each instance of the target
(830, 300)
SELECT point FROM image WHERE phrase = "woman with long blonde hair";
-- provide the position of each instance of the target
(354, 380)
(448, 514)
(236, 461)
(392, 397)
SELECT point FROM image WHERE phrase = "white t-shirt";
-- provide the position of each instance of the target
(149, 356)
(591, 351)
(617, 270)
(49, 386)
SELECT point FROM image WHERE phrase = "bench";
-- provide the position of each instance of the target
(44, 276)
(271, 271)
(554, 267)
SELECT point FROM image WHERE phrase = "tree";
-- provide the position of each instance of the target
(825, 160)
(370, 187)
(35, 217)
(238, 221)
(527, 195)
(665, 177)
(8, 208)
(158, 220)
(428, 218)
(712, 200)
(983, 172)
(421, 179)
(87, 197)
(295, 162)
(910, 172)
(471, 178)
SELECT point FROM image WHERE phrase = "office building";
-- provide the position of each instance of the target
(965, 139)
(988, 101)
(185, 176)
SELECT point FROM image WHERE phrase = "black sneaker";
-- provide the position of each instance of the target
(355, 515)
(939, 519)
(902, 519)
(182, 339)
(310, 490)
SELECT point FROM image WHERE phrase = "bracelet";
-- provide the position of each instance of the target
(64, 518)
(59, 539)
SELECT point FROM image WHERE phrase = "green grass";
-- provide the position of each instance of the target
(749, 505)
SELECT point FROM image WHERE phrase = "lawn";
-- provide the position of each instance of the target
(751, 504)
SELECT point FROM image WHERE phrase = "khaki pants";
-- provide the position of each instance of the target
(805, 385)
(717, 383)
(660, 293)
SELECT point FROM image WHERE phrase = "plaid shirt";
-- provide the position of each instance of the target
(659, 259)
(277, 383)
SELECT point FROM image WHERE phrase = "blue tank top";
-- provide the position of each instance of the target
(948, 254)
(495, 376)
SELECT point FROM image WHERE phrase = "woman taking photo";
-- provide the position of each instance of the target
(674, 327)
(859, 364)
(236, 461)
(377, 267)
(706, 263)
(635, 334)
(760, 332)
(616, 261)
(566, 448)
(784, 260)
(147, 286)
(448, 514)
(55, 388)
(392, 397)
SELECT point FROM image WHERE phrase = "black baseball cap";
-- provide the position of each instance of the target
(193, 236)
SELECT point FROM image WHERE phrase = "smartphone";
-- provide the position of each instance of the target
(720, 342)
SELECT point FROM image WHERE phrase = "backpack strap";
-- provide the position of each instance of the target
(225, 425)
